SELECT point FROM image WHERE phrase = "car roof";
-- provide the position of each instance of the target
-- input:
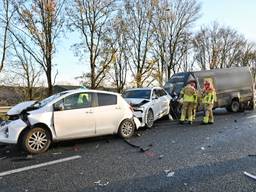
(144, 88)
(81, 90)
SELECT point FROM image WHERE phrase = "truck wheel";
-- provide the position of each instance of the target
(235, 106)
(126, 128)
(36, 140)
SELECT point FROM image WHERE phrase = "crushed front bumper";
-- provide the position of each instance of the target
(10, 131)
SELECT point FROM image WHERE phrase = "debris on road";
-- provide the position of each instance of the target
(173, 142)
(142, 149)
(100, 183)
(235, 121)
(169, 173)
(57, 153)
(202, 148)
(161, 157)
(138, 134)
(150, 154)
(76, 148)
(29, 156)
(97, 146)
(250, 175)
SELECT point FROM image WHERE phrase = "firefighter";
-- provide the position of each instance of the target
(196, 101)
(208, 99)
(188, 95)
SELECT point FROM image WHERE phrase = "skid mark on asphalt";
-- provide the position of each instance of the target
(39, 165)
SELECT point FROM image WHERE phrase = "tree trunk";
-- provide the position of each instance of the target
(49, 81)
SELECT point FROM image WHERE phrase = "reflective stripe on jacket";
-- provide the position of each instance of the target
(209, 97)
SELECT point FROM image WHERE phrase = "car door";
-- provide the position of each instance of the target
(74, 116)
(156, 101)
(108, 113)
(165, 102)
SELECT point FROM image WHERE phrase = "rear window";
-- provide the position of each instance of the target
(106, 99)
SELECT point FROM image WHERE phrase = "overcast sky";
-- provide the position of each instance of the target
(238, 14)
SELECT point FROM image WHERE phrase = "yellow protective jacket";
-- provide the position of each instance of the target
(209, 96)
(189, 94)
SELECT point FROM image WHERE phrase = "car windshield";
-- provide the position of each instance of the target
(174, 88)
(47, 100)
(140, 94)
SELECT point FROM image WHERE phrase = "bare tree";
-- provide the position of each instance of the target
(121, 61)
(6, 14)
(139, 17)
(221, 47)
(91, 18)
(26, 73)
(37, 29)
(172, 31)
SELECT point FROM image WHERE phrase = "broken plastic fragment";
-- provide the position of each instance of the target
(29, 157)
(57, 153)
(170, 174)
(202, 148)
(99, 183)
(161, 156)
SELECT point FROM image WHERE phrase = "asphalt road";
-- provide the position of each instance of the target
(172, 157)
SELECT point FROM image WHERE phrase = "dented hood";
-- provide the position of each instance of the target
(136, 101)
(17, 109)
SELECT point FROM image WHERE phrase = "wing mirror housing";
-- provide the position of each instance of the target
(155, 97)
(58, 107)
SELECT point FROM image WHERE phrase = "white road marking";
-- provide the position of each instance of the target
(39, 165)
(251, 117)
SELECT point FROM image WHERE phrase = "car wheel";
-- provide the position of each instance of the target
(126, 128)
(36, 140)
(235, 106)
(150, 119)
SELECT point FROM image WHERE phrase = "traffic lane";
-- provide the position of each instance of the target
(106, 161)
(15, 158)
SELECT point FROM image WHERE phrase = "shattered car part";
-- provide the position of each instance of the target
(142, 149)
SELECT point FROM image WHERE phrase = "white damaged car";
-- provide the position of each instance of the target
(149, 104)
(67, 115)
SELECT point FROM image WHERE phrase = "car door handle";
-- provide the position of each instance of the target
(88, 112)
(118, 107)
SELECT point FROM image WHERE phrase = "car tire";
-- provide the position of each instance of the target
(150, 119)
(235, 106)
(126, 128)
(36, 140)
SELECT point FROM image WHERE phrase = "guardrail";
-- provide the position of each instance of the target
(4, 109)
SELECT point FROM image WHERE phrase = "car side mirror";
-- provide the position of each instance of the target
(58, 107)
(155, 97)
